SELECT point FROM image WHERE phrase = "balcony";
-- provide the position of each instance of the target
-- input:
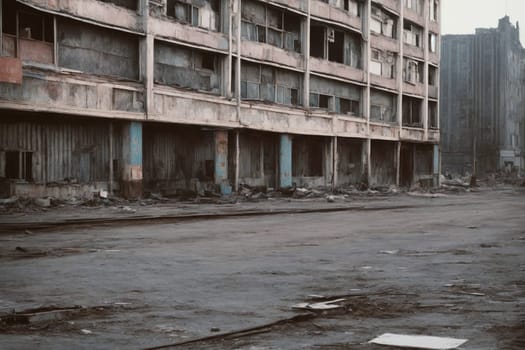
(347, 126)
(413, 51)
(173, 30)
(336, 69)
(385, 43)
(97, 11)
(384, 132)
(415, 17)
(412, 134)
(270, 53)
(414, 89)
(393, 5)
(383, 82)
(323, 10)
(298, 5)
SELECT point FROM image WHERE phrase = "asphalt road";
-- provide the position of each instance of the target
(452, 268)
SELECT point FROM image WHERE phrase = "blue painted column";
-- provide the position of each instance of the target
(221, 162)
(131, 186)
(436, 166)
(285, 161)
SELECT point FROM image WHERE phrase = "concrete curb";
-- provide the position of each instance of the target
(98, 221)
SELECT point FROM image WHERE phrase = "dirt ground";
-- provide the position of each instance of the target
(450, 266)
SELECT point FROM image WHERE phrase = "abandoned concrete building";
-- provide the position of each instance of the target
(483, 101)
(138, 96)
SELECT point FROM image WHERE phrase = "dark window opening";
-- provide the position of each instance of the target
(324, 101)
(317, 41)
(208, 61)
(320, 101)
(315, 160)
(129, 4)
(336, 48)
(209, 169)
(9, 17)
(19, 165)
(432, 75)
(294, 97)
(35, 26)
(347, 106)
(412, 112)
(432, 115)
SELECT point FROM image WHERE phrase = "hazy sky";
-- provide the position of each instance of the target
(464, 16)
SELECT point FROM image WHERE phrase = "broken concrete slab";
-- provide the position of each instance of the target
(43, 202)
(322, 306)
(418, 341)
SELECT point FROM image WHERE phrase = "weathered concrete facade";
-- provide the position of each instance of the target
(190, 95)
(483, 100)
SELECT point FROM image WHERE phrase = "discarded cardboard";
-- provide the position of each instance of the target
(418, 341)
(325, 305)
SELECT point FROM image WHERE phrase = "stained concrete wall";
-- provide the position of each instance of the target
(482, 99)
(383, 163)
(96, 50)
(257, 158)
(350, 161)
(383, 106)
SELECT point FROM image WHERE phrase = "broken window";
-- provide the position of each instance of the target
(434, 9)
(412, 34)
(19, 165)
(335, 45)
(187, 68)
(266, 83)
(383, 63)
(432, 75)
(320, 101)
(433, 115)
(202, 13)
(382, 22)
(267, 24)
(432, 42)
(35, 31)
(351, 6)
(383, 106)
(413, 71)
(415, 5)
(335, 96)
(129, 4)
(412, 112)
(347, 106)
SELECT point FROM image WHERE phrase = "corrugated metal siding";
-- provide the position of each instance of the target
(62, 148)
(175, 153)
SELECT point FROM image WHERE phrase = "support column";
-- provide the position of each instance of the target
(221, 162)
(285, 161)
(131, 186)
(436, 168)
(398, 164)
(335, 162)
(366, 161)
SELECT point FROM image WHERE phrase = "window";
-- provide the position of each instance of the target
(412, 112)
(129, 4)
(434, 8)
(347, 106)
(432, 74)
(413, 71)
(205, 13)
(412, 34)
(432, 115)
(432, 42)
(320, 101)
(19, 165)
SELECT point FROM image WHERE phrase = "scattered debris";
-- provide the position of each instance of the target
(85, 331)
(8, 201)
(330, 198)
(322, 306)
(103, 194)
(215, 329)
(390, 252)
(43, 202)
(418, 341)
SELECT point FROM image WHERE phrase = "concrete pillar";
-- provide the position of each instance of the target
(131, 186)
(221, 162)
(436, 166)
(285, 161)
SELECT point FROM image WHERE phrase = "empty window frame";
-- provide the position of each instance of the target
(19, 165)
(412, 34)
(412, 112)
(433, 115)
(434, 9)
(347, 106)
(351, 6)
(321, 101)
(432, 75)
(383, 63)
(335, 45)
(382, 23)
(432, 39)
(267, 24)
(35, 41)
(265, 83)
(413, 71)
(204, 14)
(383, 106)
(415, 5)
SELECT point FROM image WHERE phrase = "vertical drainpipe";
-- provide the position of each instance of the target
(426, 48)
(306, 52)
(238, 93)
(55, 43)
(230, 49)
(111, 170)
(366, 65)
(399, 77)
